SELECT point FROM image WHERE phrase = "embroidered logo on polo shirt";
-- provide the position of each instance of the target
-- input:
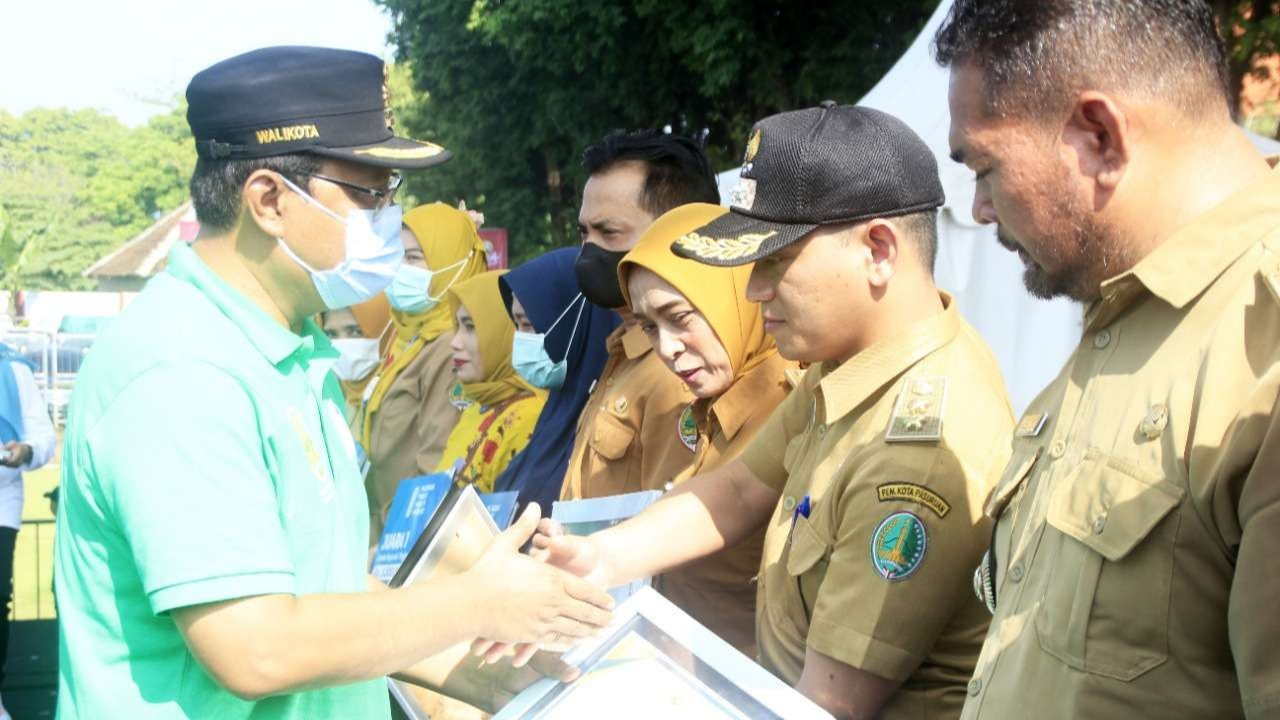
(687, 427)
(898, 546)
(315, 461)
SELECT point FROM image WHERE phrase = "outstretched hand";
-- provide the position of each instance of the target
(553, 546)
(528, 601)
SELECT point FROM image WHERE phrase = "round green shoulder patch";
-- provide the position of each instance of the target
(898, 546)
(688, 428)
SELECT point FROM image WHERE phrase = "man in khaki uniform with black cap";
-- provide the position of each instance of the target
(872, 474)
(1133, 569)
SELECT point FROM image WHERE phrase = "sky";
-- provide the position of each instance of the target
(131, 58)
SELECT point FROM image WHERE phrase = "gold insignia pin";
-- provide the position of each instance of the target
(1154, 423)
(386, 96)
(753, 146)
(917, 414)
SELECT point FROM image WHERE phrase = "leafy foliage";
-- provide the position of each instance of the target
(517, 90)
(77, 183)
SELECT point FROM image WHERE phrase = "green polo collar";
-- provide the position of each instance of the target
(275, 342)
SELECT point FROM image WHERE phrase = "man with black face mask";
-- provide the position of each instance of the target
(629, 435)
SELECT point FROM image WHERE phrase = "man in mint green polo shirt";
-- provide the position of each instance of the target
(212, 530)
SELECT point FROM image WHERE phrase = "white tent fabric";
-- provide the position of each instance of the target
(1031, 338)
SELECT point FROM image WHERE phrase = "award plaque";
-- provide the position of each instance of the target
(583, 517)
(654, 661)
(459, 532)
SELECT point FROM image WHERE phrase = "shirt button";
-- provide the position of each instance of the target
(822, 430)
(1058, 449)
(1015, 573)
(1102, 339)
(1099, 524)
(975, 686)
(789, 503)
(669, 486)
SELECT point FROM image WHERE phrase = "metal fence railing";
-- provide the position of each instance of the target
(57, 358)
(33, 572)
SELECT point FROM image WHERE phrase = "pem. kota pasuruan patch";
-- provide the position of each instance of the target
(911, 492)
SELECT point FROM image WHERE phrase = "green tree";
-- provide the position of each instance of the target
(1251, 29)
(517, 89)
(84, 183)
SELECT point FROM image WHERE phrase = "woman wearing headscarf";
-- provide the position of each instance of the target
(408, 411)
(564, 355)
(503, 407)
(700, 323)
(358, 356)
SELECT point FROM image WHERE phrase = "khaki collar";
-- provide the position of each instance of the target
(737, 404)
(847, 386)
(1187, 263)
(634, 342)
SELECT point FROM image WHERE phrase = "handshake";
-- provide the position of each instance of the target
(544, 601)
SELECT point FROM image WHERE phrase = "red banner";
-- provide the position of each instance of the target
(495, 246)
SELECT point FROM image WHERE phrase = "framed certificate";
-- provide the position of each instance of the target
(654, 661)
(459, 532)
(583, 517)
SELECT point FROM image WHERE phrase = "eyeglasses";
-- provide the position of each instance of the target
(382, 197)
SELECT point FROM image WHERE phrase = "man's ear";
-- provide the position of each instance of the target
(261, 197)
(882, 241)
(1100, 133)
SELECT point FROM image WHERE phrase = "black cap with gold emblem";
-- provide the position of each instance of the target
(282, 100)
(821, 166)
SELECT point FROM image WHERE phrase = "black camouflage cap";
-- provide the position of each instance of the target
(282, 100)
(819, 166)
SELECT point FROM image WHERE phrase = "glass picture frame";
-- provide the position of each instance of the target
(459, 532)
(654, 661)
(584, 517)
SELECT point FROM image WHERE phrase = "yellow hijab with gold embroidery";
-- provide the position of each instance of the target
(719, 293)
(494, 332)
(447, 235)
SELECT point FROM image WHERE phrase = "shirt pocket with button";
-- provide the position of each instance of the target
(1105, 608)
(806, 568)
(610, 438)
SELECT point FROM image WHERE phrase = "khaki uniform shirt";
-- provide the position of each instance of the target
(629, 432)
(719, 590)
(1138, 521)
(894, 453)
(410, 428)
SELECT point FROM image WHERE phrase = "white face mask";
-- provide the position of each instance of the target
(357, 358)
(373, 253)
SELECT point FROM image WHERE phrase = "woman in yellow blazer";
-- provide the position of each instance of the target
(503, 407)
(699, 322)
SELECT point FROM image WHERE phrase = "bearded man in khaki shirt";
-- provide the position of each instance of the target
(1132, 570)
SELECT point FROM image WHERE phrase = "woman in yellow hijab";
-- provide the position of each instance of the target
(699, 322)
(406, 413)
(504, 408)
